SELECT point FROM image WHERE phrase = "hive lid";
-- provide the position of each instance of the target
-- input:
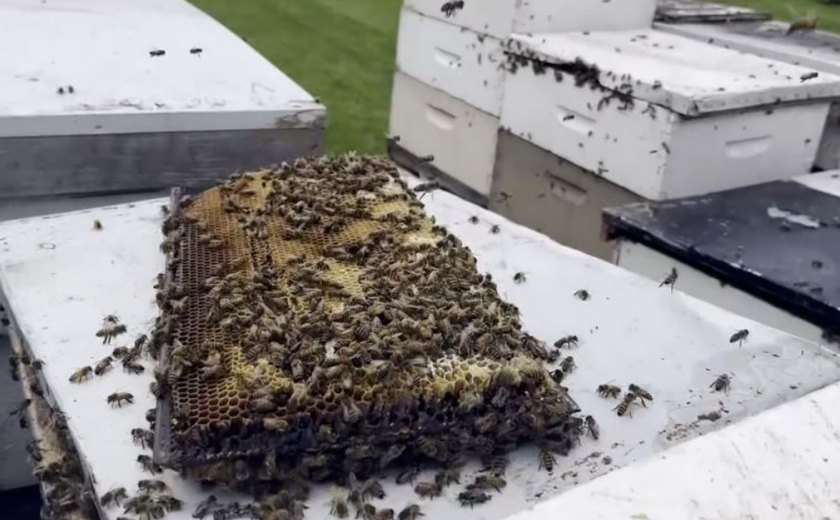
(102, 49)
(684, 75)
(692, 11)
(778, 241)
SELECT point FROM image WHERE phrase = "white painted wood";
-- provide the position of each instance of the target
(659, 152)
(826, 182)
(101, 48)
(500, 18)
(819, 51)
(778, 465)
(654, 265)
(463, 63)
(61, 278)
(461, 137)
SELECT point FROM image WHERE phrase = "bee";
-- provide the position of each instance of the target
(156, 53)
(384, 514)
(623, 407)
(275, 424)
(473, 219)
(641, 393)
(177, 306)
(497, 464)
(152, 486)
(582, 294)
(671, 279)
(196, 51)
(97, 225)
(262, 404)
(81, 375)
(169, 502)
(740, 336)
(446, 477)
(428, 489)
(808, 75)
(566, 341)
(547, 461)
(338, 502)
(148, 464)
(103, 365)
(113, 496)
(366, 512)
(204, 507)
(607, 390)
(451, 7)
(110, 330)
(372, 488)
(807, 23)
(721, 383)
(495, 229)
(567, 365)
(118, 398)
(145, 438)
(519, 277)
(133, 368)
(592, 427)
(408, 476)
(120, 352)
(471, 497)
(492, 481)
(21, 407)
(410, 512)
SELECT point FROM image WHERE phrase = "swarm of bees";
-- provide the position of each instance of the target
(332, 332)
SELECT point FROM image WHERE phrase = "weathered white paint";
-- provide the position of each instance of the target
(826, 182)
(500, 18)
(778, 465)
(101, 48)
(61, 277)
(643, 260)
(461, 138)
(463, 63)
(650, 145)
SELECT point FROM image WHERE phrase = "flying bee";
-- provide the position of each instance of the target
(145, 438)
(113, 496)
(495, 229)
(623, 407)
(566, 341)
(110, 329)
(740, 336)
(607, 390)
(81, 375)
(568, 365)
(117, 398)
(103, 365)
(148, 464)
(152, 486)
(338, 502)
(641, 393)
(582, 294)
(428, 489)
(410, 512)
(547, 461)
(592, 427)
(472, 497)
(519, 277)
(721, 383)
(671, 279)
(473, 219)
(97, 225)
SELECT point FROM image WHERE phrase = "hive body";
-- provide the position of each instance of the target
(315, 320)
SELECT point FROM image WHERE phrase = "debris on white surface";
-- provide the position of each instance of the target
(629, 331)
(793, 218)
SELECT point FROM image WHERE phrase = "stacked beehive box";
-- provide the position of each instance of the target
(451, 68)
(597, 109)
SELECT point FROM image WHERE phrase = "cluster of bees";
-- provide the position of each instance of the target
(316, 325)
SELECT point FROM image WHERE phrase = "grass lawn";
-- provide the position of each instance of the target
(342, 51)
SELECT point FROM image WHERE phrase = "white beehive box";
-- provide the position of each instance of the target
(665, 116)
(102, 95)
(465, 64)
(500, 18)
(431, 122)
(817, 50)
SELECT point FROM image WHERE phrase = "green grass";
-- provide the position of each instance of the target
(342, 51)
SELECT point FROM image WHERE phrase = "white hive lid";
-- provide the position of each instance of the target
(102, 49)
(685, 75)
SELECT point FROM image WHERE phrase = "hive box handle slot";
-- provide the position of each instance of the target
(575, 121)
(440, 117)
(447, 59)
(565, 190)
(749, 147)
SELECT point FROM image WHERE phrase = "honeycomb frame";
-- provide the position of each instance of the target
(353, 333)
